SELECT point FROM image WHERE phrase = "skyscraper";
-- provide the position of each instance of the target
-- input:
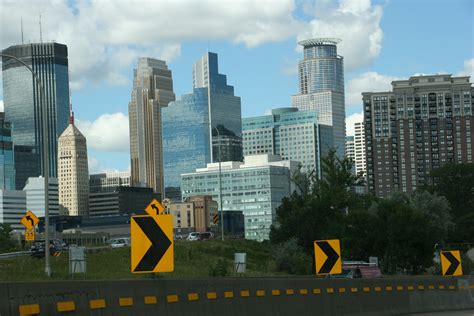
(200, 124)
(22, 100)
(321, 81)
(73, 172)
(152, 90)
(423, 124)
(359, 148)
(7, 166)
(287, 132)
(350, 147)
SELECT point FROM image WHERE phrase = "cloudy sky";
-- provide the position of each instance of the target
(382, 40)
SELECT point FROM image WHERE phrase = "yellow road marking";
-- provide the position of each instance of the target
(260, 293)
(316, 291)
(67, 306)
(303, 291)
(172, 298)
(30, 309)
(228, 294)
(211, 295)
(275, 292)
(125, 301)
(193, 296)
(245, 293)
(354, 289)
(95, 304)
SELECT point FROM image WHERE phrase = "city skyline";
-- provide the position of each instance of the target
(271, 58)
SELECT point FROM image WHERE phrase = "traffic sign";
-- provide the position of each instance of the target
(154, 208)
(30, 234)
(29, 220)
(451, 263)
(152, 243)
(215, 219)
(327, 254)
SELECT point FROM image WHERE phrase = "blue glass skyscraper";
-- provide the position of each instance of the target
(199, 124)
(7, 167)
(321, 81)
(22, 101)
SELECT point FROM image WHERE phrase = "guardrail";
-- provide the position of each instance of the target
(9, 255)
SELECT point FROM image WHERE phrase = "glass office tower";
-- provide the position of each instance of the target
(22, 100)
(321, 81)
(7, 167)
(200, 124)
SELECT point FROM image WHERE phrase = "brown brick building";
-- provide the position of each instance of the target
(424, 123)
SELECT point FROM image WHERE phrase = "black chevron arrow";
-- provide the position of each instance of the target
(454, 263)
(330, 253)
(157, 210)
(28, 217)
(159, 243)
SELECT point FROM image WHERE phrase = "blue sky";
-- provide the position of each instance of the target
(257, 46)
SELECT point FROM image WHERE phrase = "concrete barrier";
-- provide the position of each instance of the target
(239, 296)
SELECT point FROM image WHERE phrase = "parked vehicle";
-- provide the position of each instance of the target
(193, 236)
(360, 270)
(206, 236)
(120, 242)
(38, 250)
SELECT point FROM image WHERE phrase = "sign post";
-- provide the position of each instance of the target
(29, 221)
(327, 254)
(152, 248)
(451, 263)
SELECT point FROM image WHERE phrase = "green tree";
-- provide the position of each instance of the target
(6, 243)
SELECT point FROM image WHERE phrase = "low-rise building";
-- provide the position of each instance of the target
(12, 207)
(256, 187)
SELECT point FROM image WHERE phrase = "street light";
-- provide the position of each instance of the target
(44, 113)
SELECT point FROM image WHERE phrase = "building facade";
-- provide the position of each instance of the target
(183, 217)
(287, 132)
(34, 190)
(255, 187)
(120, 200)
(359, 149)
(423, 124)
(152, 90)
(73, 172)
(350, 152)
(200, 124)
(204, 210)
(101, 182)
(23, 100)
(321, 87)
(12, 208)
(7, 157)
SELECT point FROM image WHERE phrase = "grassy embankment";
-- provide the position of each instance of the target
(192, 260)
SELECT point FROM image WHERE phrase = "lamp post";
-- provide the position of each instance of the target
(220, 185)
(44, 113)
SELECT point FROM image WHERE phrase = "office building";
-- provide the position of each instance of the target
(359, 148)
(34, 190)
(287, 132)
(183, 217)
(350, 153)
(195, 126)
(204, 210)
(152, 90)
(424, 123)
(12, 208)
(255, 187)
(73, 172)
(120, 200)
(7, 159)
(23, 100)
(101, 182)
(321, 87)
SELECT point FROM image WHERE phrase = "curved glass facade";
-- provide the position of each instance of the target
(23, 103)
(7, 167)
(188, 142)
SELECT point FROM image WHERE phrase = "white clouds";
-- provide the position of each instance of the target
(468, 69)
(109, 132)
(356, 22)
(367, 82)
(104, 37)
(350, 120)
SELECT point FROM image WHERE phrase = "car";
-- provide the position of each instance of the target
(206, 236)
(119, 242)
(38, 251)
(359, 270)
(193, 236)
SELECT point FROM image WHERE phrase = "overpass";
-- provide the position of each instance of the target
(239, 296)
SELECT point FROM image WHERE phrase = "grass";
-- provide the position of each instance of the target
(192, 260)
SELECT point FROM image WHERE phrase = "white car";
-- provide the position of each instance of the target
(120, 242)
(193, 236)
